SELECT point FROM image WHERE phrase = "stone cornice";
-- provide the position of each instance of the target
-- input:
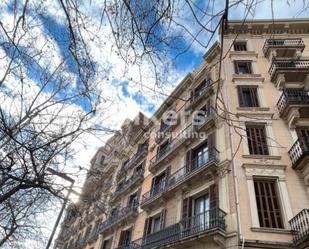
(260, 27)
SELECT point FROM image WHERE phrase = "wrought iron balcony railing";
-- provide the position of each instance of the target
(132, 245)
(156, 190)
(198, 163)
(299, 149)
(171, 146)
(287, 65)
(281, 43)
(292, 97)
(138, 157)
(183, 174)
(118, 216)
(198, 94)
(300, 227)
(138, 175)
(206, 221)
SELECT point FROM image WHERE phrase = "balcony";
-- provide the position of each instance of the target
(200, 227)
(207, 120)
(293, 104)
(132, 245)
(167, 152)
(290, 71)
(166, 127)
(198, 96)
(137, 158)
(154, 194)
(299, 153)
(283, 48)
(120, 215)
(110, 165)
(93, 234)
(300, 229)
(135, 179)
(187, 174)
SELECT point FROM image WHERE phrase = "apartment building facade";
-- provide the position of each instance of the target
(223, 163)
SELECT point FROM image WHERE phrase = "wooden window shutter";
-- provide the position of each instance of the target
(152, 184)
(240, 96)
(167, 172)
(254, 97)
(122, 238)
(302, 132)
(257, 140)
(189, 160)
(208, 106)
(162, 218)
(236, 67)
(211, 145)
(187, 211)
(213, 196)
(139, 194)
(147, 226)
(267, 203)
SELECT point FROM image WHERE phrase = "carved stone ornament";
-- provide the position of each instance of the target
(264, 170)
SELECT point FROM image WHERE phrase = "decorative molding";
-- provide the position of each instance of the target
(223, 169)
(241, 78)
(255, 117)
(267, 170)
(260, 27)
(270, 230)
(243, 54)
(263, 114)
(262, 158)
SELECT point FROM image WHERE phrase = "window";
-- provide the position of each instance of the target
(267, 203)
(240, 46)
(124, 165)
(201, 155)
(202, 114)
(133, 199)
(139, 168)
(257, 140)
(102, 160)
(158, 184)
(107, 244)
(88, 232)
(156, 224)
(201, 211)
(113, 211)
(243, 67)
(247, 96)
(163, 148)
(125, 237)
(120, 185)
(142, 147)
(302, 132)
(198, 91)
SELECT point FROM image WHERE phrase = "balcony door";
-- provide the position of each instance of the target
(133, 200)
(201, 156)
(159, 183)
(125, 238)
(303, 136)
(302, 132)
(201, 212)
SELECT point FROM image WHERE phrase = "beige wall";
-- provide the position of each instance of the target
(293, 196)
